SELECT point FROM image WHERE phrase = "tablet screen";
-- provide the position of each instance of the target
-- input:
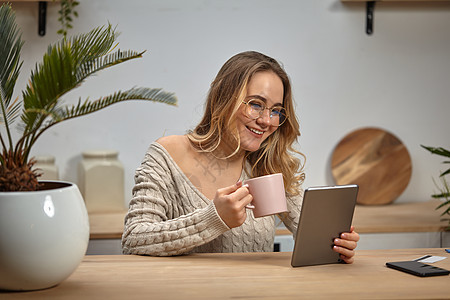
(326, 213)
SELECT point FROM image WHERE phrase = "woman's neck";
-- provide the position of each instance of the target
(229, 153)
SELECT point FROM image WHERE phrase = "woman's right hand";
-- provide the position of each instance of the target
(231, 204)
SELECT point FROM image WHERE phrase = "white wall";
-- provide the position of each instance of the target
(397, 79)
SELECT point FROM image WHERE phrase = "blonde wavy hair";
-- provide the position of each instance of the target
(218, 125)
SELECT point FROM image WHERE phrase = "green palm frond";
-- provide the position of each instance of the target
(437, 150)
(9, 112)
(10, 64)
(442, 152)
(10, 47)
(97, 64)
(96, 43)
(445, 172)
(63, 66)
(10, 109)
(87, 107)
(58, 115)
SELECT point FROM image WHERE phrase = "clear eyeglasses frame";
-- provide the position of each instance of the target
(254, 109)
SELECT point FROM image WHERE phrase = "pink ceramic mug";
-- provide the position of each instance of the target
(268, 195)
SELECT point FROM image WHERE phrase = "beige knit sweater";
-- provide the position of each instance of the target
(168, 215)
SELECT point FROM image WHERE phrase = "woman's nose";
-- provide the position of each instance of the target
(265, 118)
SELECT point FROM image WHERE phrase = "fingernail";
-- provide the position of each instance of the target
(250, 206)
(245, 185)
(336, 241)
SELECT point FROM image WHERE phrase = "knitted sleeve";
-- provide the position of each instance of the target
(165, 217)
(294, 206)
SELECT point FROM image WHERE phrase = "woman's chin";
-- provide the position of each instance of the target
(251, 147)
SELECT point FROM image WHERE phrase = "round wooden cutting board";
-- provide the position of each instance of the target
(374, 159)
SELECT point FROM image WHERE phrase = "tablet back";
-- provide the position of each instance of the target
(326, 213)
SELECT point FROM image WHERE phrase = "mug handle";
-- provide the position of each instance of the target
(249, 206)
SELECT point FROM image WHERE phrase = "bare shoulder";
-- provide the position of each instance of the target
(176, 145)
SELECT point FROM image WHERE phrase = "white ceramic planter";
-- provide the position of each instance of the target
(43, 236)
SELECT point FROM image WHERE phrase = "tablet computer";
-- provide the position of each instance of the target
(326, 213)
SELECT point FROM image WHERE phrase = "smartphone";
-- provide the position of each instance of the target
(417, 268)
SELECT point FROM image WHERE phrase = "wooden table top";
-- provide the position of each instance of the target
(396, 217)
(244, 276)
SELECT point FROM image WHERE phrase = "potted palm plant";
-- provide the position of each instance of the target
(44, 228)
(444, 189)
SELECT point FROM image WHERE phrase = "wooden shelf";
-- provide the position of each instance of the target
(396, 218)
(370, 8)
(108, 225)
(400, 217)
(390, 218)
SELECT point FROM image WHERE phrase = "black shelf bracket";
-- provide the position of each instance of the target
(370, 7)
(42, 17)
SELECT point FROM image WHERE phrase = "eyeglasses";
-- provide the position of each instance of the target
(254, 108)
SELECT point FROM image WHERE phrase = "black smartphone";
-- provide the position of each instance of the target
(417, 268)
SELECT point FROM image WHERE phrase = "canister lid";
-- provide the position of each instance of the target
(100, 153)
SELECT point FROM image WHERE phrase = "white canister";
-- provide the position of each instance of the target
(45, 165)
(101, 181)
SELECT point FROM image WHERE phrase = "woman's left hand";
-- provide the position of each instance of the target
(346, 244)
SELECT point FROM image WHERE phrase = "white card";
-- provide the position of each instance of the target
(430, 259)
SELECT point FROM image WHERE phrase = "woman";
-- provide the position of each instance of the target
(189, 196)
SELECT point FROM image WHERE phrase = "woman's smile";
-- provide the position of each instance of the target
(257, 132)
